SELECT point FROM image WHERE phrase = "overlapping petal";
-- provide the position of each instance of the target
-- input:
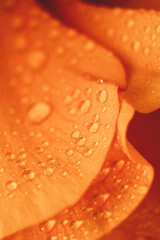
(134, 37)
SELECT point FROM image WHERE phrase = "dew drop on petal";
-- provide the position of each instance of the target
(1, 170)
(11, 186)
(48, 226)
(89, 46)
(48, 171)
(84, 106)
(99, 199)
(136, 46)
(75, 134)
(102, 96)
(67, 100)
(39, 112)
(69, 152)
(107, 214)
(130, 23)
(10, 156)
(28, 175)
(76, 224)
(45, 144)
(81, 141)
(88, 153)
(36, 59)
(93, 127)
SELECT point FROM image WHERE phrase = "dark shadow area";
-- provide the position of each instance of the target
(134, 4)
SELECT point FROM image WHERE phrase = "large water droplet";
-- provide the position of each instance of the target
(11, 186)
(102, 96)
(39, 112)
(84, 106)
(36, 59)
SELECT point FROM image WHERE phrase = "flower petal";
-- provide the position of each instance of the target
(133, 35)
(56, 123)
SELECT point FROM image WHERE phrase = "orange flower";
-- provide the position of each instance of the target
(66, 101)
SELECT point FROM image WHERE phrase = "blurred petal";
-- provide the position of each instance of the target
(133, 35)
(56, 123)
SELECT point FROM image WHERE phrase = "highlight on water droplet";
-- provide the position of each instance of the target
(75, 134)
(88, 152)
(48, 171)
(81, 141)
(69, 152)
(10, 156)
(39, 112)
(93, 127)
(76, 224)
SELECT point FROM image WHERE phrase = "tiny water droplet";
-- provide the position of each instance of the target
(48, 226)
(102, 96)
(157, 29)
(45, 144)
(67, 100)
(1, 170)
(130, 23)
(69, 152)
(36, 59)
(11, 186)
(72, 111)
(107, 214)
(28, 175)
(48, 171)
(84, 106)
(136, 46)
(89, 46)
(76, 93)
(39, 112)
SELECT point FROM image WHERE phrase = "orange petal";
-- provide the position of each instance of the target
(56, 124)
(105, 204)
(133, 35)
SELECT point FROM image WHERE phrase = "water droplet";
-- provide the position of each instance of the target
(76, 224)
(99, 199)
(48, 226)
(81, 141)
(28, 175)
(59, 50)
(45, 144)
(54, 33)
(93, 127)
(39, 112)
(89, 46)
(157, 28)
(102, 96)
(88, 153)
(68, 100)
(36, 59)
(20, 43)
(69, 152)
(76, 93)
(95, 118)
(17, 23)
(147, 29)
(119, 165)
(136, 46)
(146, 51)
(10, 156)
(11, 186)
(39, 149)
(124, 38)
(22, 155)
(48, 171)
(84, 106)
(72, 111)
(75, 134)
(1, 170)
(109, 32)
(107, 214)
(130, 23)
